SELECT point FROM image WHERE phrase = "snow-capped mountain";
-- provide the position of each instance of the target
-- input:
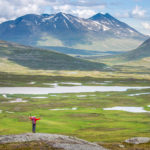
(118, 28)
(65, 29)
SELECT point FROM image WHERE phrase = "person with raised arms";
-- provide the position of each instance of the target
(33, 119)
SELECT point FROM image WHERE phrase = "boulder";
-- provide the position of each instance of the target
(138, 140)
(56, 141)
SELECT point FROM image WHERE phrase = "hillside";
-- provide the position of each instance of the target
(139, 56)
(141, 52)
(35, 58)
(101, 32)
(78, 52)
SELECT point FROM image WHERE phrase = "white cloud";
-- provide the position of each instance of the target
(85, 13)
(80, 11)
(11, 9)
(146, 25)
(138, 12)
(122, 15)
(3, 19)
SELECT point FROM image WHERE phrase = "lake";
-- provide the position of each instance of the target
(65, 89)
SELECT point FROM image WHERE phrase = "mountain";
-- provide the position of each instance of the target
(138, 56)
(35, 58)
(101, 32)
(141, 52)
(114, 27)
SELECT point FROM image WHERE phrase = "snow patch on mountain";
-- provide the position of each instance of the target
(105, 28)
(47, 18)
(11, 26)
(66, 24)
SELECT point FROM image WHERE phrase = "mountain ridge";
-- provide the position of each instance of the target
(66, 30)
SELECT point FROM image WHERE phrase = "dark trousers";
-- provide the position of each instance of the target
(33, 128)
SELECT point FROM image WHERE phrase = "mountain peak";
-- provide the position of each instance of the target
(107, 15)
(97, 16)
(100, 16)
(60, 14)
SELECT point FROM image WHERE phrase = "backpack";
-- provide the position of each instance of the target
(33, 120)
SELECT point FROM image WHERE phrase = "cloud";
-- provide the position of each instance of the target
(80, 8)
(122, 15)
(146, 25)
(80, 11)
(138, 12)
(3, 19)
(11, 9)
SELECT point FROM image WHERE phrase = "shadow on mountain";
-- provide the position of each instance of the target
(36, 58)
(53, 61)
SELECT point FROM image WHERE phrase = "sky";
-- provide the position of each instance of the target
(133, 12)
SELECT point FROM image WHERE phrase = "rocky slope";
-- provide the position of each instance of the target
(56, 141)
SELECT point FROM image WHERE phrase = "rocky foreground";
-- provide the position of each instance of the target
(56, 141)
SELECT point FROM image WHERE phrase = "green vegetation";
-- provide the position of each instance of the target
(92, 43)
(16, 80)
(142, 51)
(89, 121)
(76, 52)
(35, 58)
(44, 146)
(105, 45)
(132, 57)
(38, 145)
(117, 146)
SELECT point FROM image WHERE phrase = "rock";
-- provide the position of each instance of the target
(56, 141)
(121, 146)
(138, 140)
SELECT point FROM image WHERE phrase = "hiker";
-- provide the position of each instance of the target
(34, 119)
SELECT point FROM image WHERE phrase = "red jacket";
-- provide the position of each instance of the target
(34, 119)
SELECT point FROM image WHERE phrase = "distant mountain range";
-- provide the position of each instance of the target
(102, 32)
(35, 58)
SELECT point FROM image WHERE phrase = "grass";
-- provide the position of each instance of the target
(35, 58)
(12, 80)
(89, 121)
(41, 145)
(118, 146)
(104, 45)
(92, 43)
(38, 145)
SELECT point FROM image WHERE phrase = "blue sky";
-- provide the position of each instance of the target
(133, 12)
